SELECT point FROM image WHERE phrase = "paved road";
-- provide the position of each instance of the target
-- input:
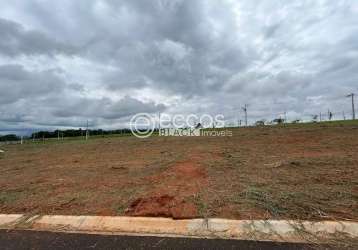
(10, 240)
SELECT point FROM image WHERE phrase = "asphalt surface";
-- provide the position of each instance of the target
(48, 240)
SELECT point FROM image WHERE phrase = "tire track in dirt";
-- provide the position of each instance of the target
(174, 191)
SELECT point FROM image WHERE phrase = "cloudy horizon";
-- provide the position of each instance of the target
(65, 62)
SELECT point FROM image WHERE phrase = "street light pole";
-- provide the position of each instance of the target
(353, 110)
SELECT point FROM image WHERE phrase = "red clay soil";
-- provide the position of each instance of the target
(171, 198)
(305, 172)
(162, 206)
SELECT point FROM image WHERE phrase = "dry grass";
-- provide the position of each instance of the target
(303, 172)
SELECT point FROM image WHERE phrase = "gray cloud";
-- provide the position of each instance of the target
(17, 83)
(105, 108)
(15, 40)
(116, 58)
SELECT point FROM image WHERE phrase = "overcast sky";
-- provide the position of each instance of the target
(63, 62)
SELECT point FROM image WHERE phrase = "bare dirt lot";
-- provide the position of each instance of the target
(296, 172)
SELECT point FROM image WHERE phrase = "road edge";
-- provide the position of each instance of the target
(258, 230)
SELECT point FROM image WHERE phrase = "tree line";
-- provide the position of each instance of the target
(64, 133)
(77, 132)
(10, 137)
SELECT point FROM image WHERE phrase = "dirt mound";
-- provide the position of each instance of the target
(172, 192)
(162, 206)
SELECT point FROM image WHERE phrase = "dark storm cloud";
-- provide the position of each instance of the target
(171, 46)
(105, 108)
(12, 118)
(17, 83)
(117, 58)
(70, 111)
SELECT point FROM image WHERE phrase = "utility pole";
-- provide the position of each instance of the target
(159, 122)
(344, 116)
(320, 116)
(245, 110)
(330, 115)
(87, 131)
(58, 135)
(353, 110)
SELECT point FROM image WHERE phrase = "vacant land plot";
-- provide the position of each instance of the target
(301, 171)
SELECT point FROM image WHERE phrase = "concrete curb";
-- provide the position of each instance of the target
(260, 230)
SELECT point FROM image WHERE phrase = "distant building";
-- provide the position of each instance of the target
(260, 123)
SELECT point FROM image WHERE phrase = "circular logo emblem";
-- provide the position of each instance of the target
(142, 125)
